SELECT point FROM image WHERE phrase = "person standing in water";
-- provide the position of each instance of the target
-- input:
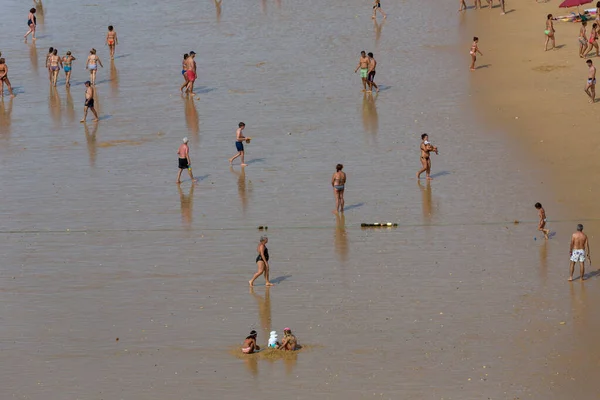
(338, 182)
(463, 6)
(426, 149)
(4, 78)
(67, 62)
(363, 65)
(92, 64)
(262, 262)
(89, 102)
(111, 41)
(549, 32)
(55, 64)
(239, 144)
(580, 246)
(183, 71)
(371, 74)
(590, 87)
(473, 52)
(32, 24)
(542, 223)
(184, 160)
(377, 7)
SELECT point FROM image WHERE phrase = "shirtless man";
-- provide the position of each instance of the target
(426, 149)
(542, 223)
(371, 74)
(111, 41)
(579, 247)
(89, 102)
(50, 51)
(4, 78)
(363, 64)
(338, 182)
(590, 87)
(55, 63)
(190, 72)
(250, 345)
(239, 144)
(184, 160)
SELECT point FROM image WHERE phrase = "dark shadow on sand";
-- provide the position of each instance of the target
(510, 11)
(201, 178)
(105, 117)
(350, 207)
(441, 173)
(280, 279)
(383, 88)
(551, 235)
(560, 46)
(483, 66)
(203, 90)
(122, 56)
(591, 275)
(255, 160)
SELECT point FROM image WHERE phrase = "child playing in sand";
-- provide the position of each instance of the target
(542, 223)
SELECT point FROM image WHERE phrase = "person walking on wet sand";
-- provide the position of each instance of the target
(377, 7)
(239, 144)
(363, 65)
(55, 64)
(184, 160)
(426, 149)
(338, 182)
(183, 72)
(190, 72)
(542, 223)
(580, 246)
(549, 32)
(262, 262)
(590, 86)
(4, 78)
(372, 72)
(111, 41)
(50, 52)
(32, 24)
(473, 52)
(583, 40)
(463, 6)
(250, 345)
(92, 64)
(89, 102)
(67, 62)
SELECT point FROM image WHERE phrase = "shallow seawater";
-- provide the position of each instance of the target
(99, 243)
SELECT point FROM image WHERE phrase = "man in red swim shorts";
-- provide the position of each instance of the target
(190, 73)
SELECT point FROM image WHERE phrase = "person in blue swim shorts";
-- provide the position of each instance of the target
(239, 144)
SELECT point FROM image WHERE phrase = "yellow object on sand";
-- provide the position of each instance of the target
(248, 139)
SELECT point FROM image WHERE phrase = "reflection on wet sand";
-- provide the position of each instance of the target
(378, 27)
(264, 315)
(369, 114)
(544, 262)
(39, 11)
(426, 201)
(114, 79)
(187, 205)
(241, 187)
(70, 105)
(218, 7)
(33, 57)
(90, 138)
(192, 120)
(341, 237)
(5, 116)
(264, 6)
(54, 104)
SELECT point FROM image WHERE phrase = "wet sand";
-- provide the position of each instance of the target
(99, 243)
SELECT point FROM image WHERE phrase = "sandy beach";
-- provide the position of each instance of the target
(458, 302)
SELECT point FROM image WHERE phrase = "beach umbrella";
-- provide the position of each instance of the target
(574, 3)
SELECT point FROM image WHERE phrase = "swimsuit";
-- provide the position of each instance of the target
(183, 71)
(591, 81)
(54, 68)
(578, 255)
(29, 22)
(364, 72)
(93, 67)
(378, 5)
(67, 68)
(246, 350)
(191, 75)
(183, 163)
(338, 187)
(111, 42)
(259, 258)
(89, 103)
(239, 146)
(371, 76)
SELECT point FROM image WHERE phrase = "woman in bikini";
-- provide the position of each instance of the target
(111, 41)
(31, 23)
(549, 32)
(262, 262)
(67, 64)
(338, 182)
(593, 40)
(250, 345)
(583, 40)
(183, 72)
(426, 149)
(92, 64)
(55, 63)
(4, 78)
(473, 52)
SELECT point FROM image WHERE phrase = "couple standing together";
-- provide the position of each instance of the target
(367, 66)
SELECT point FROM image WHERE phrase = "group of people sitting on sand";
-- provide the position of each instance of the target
(288, 343)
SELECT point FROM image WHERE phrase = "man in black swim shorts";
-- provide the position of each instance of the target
(89, 102)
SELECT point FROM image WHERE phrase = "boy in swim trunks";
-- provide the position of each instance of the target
(376, 7)
(239, 144)
(111, 41)
(542, 223)
(184, 160)
(590, 87)
(363, 64)
(89, 102)
(4, 78)
(579, 246)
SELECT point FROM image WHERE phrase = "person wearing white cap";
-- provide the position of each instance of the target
(184, 160)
